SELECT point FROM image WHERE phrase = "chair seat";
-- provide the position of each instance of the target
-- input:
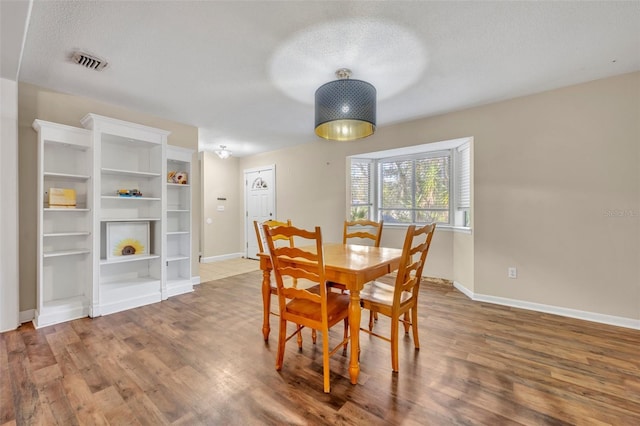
(381, 293)
(337, 308)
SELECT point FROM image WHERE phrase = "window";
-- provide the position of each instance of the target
(361, 189)
(414, 190)
(429, 183)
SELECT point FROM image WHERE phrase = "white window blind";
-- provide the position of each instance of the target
(463, 176)
(361, 189)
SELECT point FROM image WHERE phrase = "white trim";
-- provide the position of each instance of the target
(549, 309)
(177, 289)
(129, 303)
(415, 149)
(462, 289)
(195, 280)
(27, 316)
(221, 257)
(67, 312)
(9, 214)
(441, 227)
(257, 169)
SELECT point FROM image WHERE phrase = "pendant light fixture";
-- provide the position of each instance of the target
(345, 108)
(223, 152)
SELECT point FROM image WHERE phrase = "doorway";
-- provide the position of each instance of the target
(260, 202)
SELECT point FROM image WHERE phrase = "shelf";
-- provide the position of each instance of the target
(66, 302)
(67, 234)
(132, 258)
(66, 176)
(133, 173)
(141, 281)
(65, 209)
(177, 258)
(59, 253)
(115, 197)
(64, 144)
(178, 229)
(130, 219)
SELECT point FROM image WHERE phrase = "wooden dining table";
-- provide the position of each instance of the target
(349, 264)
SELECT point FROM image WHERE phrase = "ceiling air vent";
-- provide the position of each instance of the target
(89, 61)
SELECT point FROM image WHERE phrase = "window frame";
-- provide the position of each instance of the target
(451, 149)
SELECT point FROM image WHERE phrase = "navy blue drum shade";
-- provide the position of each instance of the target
(345, 110)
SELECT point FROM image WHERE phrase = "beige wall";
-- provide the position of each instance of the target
(224, 236)
(556, 192)
(35, 102)
(551, 173)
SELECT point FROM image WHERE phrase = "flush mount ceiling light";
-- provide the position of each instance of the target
(345, 108)
(223, 152)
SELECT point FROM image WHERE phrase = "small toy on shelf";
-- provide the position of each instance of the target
(129, 193)
(177, 177)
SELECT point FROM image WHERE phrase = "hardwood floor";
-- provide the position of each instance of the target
(200, 358)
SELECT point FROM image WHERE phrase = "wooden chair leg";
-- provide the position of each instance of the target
(371, 316)
(406, 322)
(266, 304)
(414, 326)
(282, 340)
(346, 335)
(394, 343)
(299, 337)
(325, 362)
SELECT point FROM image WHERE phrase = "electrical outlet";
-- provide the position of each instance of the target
(512, 272)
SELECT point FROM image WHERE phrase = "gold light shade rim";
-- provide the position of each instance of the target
(345, 130)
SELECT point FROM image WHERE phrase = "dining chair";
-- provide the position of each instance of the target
(399, 301)
(318, 309)
(363, 228)
(271, 224)
(261, 241)
(358, 232)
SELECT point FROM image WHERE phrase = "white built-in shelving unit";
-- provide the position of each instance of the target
(128, 156)
(65, 234)
(178, 260)
(110, 252)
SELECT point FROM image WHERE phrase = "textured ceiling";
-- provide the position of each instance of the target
(245, 72)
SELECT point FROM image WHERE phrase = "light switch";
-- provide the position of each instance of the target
(220, 208)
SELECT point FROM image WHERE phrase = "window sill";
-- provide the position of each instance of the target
(439, 227)
(458, 229)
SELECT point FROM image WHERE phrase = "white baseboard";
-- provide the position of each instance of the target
(28, 315)
(218, 258)
(195, 280)
(549, 309)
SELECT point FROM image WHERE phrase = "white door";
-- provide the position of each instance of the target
(260, 203)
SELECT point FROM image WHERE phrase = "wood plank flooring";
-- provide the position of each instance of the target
(199, 359)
